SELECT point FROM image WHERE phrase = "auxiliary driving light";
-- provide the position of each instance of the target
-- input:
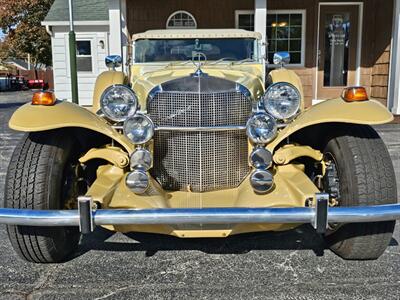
(141, 159)
(261, 128)
(260, 158)
(139, 129)
(138, 181)
(262, 181)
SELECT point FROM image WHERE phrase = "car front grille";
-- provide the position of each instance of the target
(200, 161)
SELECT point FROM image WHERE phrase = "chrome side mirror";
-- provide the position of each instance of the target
(281, 58)
(113, 61)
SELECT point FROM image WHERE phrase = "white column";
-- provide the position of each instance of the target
(115, 41)
(124, 32)
(260, 20)
(394, 84)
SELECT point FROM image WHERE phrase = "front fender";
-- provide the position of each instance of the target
(336, 111)
(34, 118)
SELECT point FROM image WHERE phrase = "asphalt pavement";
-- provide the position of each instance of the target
(287, 265)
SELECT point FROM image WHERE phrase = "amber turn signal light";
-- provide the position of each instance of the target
(44, 98)
(354, 94)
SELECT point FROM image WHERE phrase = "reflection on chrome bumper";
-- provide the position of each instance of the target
(318, 216)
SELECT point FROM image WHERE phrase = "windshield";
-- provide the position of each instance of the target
(187, 49)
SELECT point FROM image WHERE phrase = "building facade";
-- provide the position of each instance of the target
(332, 43)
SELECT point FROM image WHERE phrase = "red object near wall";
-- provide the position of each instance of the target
(36, 84)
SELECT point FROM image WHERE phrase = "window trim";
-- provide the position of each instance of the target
(82, 39)
(303, 12)
(92, 37)
(180, 27)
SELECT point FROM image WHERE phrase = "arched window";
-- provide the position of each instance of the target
(181, 20)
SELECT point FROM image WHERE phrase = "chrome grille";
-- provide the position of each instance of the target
(200, 161)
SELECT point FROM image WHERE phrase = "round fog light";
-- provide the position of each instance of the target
(261, 158)
(138, 181)
(262, 181)
(261, 128)
(139, 129)
(141, 159)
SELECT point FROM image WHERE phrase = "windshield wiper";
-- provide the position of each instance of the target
(181, 63)
(221, 60)
(239, 62)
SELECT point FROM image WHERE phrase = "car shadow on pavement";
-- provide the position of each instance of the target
(301, 238)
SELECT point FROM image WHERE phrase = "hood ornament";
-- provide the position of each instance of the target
(198, 59)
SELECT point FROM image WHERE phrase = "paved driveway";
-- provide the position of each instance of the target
(290, 265)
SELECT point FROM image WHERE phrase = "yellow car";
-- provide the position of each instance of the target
(195, 141)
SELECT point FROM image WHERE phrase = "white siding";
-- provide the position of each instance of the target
(61, 69)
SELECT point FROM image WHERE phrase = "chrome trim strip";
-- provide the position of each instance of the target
(189, 129)
(202, 129)
(200, 216)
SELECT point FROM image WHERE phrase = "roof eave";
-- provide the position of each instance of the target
(77, 23)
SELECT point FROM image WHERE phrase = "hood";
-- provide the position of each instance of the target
(145, 78)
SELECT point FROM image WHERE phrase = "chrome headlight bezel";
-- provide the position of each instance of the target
(253, 131)
(135, 138)
(132, 103)
(268, 101)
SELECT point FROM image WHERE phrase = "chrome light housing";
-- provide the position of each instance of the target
(262, 181)
(118, 102)
(260, 158)
(141, 159)
(138, 181)
(139, 129)
(261, 128)
(282, 100)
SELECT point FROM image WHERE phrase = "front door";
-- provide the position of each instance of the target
(337, 49)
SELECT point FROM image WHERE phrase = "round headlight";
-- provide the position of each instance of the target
(282, 100)
(139, 129)
(261, 128)
(118, 102)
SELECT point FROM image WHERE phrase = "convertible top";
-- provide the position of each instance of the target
(196, 33)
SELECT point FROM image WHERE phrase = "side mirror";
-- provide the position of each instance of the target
(113, 61)
(281, 58)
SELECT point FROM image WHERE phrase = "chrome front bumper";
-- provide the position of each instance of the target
(86, 218)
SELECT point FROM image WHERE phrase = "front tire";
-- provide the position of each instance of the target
(365, 176)
(39, 178)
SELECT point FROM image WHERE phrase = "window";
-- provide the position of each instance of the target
(285, 32)
(245, 20)
(181, 20)
(166, 50)
(84, 56)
